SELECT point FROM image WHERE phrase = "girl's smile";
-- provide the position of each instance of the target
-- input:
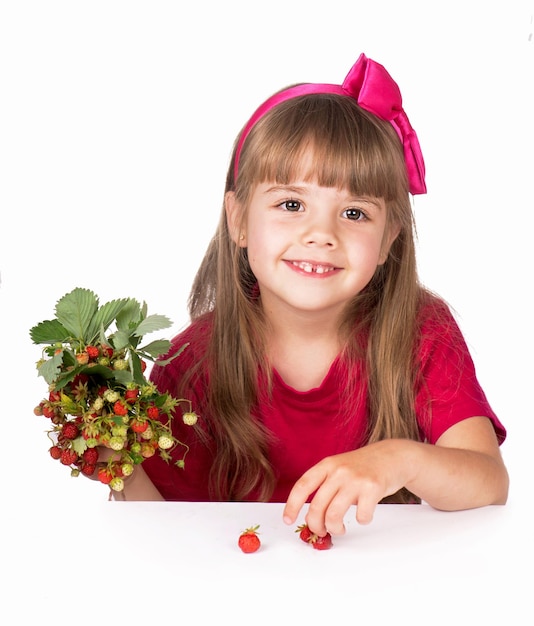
(312, 248)
(310, 267)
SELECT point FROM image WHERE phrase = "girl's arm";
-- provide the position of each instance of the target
(463, 470)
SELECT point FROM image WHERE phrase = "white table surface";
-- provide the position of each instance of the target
(140, 563)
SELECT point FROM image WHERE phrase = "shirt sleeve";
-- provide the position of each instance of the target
(448, 390)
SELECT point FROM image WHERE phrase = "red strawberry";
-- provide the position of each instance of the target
(104, 475)
(93, 352)
(153, 412)
(69, 430)
(321, 543)
(116, 469)
(130, 395)
(88, 469)
(47, 410)
(138, 426)
(55, 452)
(107, 350)
(249, 541)
(119, 408)
(90, 456)
(68, 457)
(304, 532)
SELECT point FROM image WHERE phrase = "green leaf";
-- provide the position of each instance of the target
(123, 377)
(121, 339)
(69, 360)
(104, 317)
(137, 372)
(75, 311)
(152, 323)
(50, 369)
(130, 315)
(49, 331)
(173, 356)
(69, 406)
(156, 348)
(160, 400)
(64, 378)
(79, 445)
(97, 370)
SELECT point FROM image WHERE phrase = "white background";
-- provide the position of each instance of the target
(116, 124)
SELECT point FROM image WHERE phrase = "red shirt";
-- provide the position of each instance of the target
(307, 426)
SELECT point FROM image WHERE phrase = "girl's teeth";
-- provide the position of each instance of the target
(308, 267)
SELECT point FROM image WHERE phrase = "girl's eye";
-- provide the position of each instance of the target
(291, 205)
(355, 214)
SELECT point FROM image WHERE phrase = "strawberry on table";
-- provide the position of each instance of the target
(317, 542)
(321, 543)
(248, 540)
(304, 532)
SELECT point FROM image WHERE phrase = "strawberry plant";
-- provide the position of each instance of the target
(98, 394)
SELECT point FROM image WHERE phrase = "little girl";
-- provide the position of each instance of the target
(321, 370)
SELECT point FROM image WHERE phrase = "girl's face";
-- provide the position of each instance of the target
(311, 248)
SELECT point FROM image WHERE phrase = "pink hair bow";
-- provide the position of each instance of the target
(374, 90)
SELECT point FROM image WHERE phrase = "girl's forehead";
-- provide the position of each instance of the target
(346, 167)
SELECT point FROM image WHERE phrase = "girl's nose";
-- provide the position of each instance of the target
(320, 231)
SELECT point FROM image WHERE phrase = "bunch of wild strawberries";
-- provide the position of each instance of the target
(131, 419)
(94, 363)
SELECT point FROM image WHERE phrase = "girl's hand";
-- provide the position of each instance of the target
(137, 486)
(463, 470)
(362, 477)
(104, 455)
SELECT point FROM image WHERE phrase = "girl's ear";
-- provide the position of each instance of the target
(389, 237)
(232, 208)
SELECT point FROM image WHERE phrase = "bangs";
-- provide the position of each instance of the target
(328, 139)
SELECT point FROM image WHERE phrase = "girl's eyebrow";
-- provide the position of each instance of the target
(286, 188)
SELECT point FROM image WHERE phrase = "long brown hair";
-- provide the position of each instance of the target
(354, 150)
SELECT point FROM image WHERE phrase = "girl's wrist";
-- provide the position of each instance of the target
(118, 496)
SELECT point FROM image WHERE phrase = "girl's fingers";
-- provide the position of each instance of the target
(365, 509)
(300, 493)
(316, 517)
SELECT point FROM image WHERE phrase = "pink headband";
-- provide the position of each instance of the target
(374, 90)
